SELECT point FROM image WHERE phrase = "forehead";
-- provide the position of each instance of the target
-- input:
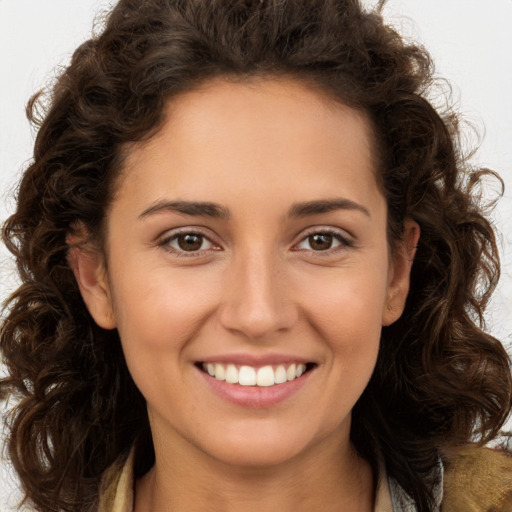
(227, 136)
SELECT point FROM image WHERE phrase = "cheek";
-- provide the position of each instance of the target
(159, 314)
(350, 301)
(343, 312)
(346, 311)
(161, 310)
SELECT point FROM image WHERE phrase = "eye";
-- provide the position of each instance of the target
(322, 241)
(188, 242)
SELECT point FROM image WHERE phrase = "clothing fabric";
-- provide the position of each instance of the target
(478, 480)
(472, 479)
(116, 492)
(118, 484)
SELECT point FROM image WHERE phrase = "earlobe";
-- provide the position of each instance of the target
(400, 271)
(90, 273)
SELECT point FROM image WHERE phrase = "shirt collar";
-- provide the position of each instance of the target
(117, 495)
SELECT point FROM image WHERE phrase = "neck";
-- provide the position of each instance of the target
(327, 478)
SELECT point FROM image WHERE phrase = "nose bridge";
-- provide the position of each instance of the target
(256, 301)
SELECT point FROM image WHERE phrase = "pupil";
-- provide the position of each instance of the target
(320, 242)
(190, 242)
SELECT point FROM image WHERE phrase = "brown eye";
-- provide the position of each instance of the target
(188, 242)
(320, 241)
(324, 241)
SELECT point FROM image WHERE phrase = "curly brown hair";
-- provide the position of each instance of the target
(440, 380)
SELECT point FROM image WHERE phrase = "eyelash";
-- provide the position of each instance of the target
(344, 242)
(165, 243)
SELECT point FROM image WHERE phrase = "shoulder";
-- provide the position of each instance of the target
(477, 479)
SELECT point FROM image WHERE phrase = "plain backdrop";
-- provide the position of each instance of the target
(470, 40)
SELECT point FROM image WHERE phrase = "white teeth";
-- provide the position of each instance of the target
(232, 374)
(220, 372)
(290, 373)
(264, 376)
(280, 374)
(247, 376)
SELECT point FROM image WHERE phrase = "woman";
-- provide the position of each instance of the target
(253, 270)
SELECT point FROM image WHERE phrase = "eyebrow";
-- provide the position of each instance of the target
(197, 208)
(325, 206)
(208, 209)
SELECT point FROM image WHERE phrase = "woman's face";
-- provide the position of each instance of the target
(247, 242)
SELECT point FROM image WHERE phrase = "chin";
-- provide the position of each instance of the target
(257, 455)
(260, 447)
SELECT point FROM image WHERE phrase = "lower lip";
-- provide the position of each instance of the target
(255, 396)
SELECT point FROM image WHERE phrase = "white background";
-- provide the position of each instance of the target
(470, 40)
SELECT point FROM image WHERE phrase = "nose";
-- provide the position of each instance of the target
(257, 302)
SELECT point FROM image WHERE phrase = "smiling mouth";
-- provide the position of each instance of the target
(264, 376)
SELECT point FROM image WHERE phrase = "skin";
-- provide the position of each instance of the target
(257, 286)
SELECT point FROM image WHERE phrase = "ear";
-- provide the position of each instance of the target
(89, 267)
(399, 273)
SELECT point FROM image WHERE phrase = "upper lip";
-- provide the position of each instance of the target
(256, 360)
